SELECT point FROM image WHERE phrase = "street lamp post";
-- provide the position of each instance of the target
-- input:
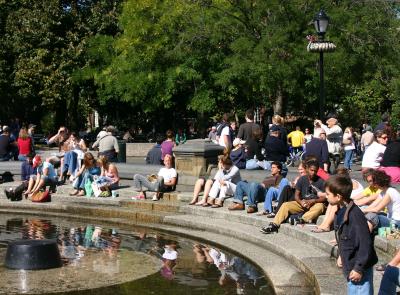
(321, 21)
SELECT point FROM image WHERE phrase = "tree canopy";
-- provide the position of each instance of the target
(162, 60)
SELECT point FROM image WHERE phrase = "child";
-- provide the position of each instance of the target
(356, 244)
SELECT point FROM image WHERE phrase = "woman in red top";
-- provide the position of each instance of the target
(24, 144)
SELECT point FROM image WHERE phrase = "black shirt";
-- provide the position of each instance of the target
(309, 190)
(246, 130)
(391, 156)
(4, 143)
(275, 149)
(318, 148)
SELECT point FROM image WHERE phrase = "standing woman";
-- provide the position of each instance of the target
(167, 145)
(349, 147)
(24, 144)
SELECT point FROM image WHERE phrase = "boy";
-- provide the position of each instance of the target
(355, 242)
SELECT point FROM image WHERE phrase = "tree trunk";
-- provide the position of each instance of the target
(278, 103)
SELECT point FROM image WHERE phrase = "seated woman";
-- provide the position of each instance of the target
(238, 154)
(224, 185)
(253, 150)
(390, 199)
(391, 161)
(203, 183)
(72, 157)
(24, 142)
(373, 155)
(46, 175)
(109, 177)
(166, 181)
(331, 210)
(85, 173)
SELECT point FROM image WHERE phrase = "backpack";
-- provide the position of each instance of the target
(15, 193)
(7, 177)
(220, 127)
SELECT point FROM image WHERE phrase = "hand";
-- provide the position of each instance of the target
(339, 262)
(222, 182)
(355, 276)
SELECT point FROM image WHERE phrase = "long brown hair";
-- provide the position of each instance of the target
(88, 160)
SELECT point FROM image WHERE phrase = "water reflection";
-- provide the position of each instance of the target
(200, 267)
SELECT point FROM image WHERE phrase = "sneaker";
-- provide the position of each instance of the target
(138, 197)
(271, 228)
(155, 198)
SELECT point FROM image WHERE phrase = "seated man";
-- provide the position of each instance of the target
(154, 154)
(166, 181)
(27, 168)
(310, 199)
(46, 175)
(255, 192)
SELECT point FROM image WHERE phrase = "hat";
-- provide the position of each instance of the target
(31, 126)
(36, 161)
(274, 128)
(238, 141)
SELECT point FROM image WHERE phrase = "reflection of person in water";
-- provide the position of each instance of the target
(169, 258)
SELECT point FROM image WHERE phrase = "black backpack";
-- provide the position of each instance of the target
(15, 193)
(7, 177)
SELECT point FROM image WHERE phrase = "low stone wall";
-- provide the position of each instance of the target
(138, 149)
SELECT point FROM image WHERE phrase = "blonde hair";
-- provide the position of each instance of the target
(23, 133)
(277, 120)
(103, 161)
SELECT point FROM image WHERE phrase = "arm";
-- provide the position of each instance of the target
(363, 242)
(172, 182)
(366, 200)
(96, 143)
(54, 138)
(232, 173)
(82, 145)
(378, 206)
(79, 172)
(116, 146)
(396, 260)
(113, 169)
(297, 197)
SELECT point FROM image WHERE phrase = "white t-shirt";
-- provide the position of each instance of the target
(167, 174)
(394, 204)
(373, 155)
(225, 131)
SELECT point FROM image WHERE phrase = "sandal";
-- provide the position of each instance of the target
(200, 203)
(262, 213)
(193, 202)
(217, 206)
(319, 230)
(206, 205)
(74, 193)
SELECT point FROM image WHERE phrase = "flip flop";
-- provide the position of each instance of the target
(216, 206)
(262, 213)
(193, 203)
(205, 205)
(318, 230)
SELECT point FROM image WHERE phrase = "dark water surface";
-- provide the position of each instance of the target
(186, 266)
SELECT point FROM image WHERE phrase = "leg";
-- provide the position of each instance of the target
(286, 195)
(286, 209)
(242, 189)
(30, 184)
(226, 191)
(197, 189)
(207, 188)
(272, 194)
(313, 213)
(390, 279)
(214, 192)
(253, 197)
(329, 217)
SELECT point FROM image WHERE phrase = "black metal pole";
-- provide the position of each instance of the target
(321, 86)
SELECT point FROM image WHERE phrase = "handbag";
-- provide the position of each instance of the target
(96, 190)
(41, 197)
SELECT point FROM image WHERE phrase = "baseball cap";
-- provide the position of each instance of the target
(36, 161)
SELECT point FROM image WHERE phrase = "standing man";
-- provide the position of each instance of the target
(246, 129)
(296, 138)
(108, 145)
(318, 148)
(334, 137)
(7, 145)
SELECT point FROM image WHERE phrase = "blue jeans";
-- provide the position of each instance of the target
(348, 158)
(254, 192)
(390, 280)
(70, 162)
(384, 221)
(364, 287)
(273, 193)
(252, 164)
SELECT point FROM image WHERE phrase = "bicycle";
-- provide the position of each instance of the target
(294, 158)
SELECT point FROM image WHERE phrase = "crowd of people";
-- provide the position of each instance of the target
(322, 186)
